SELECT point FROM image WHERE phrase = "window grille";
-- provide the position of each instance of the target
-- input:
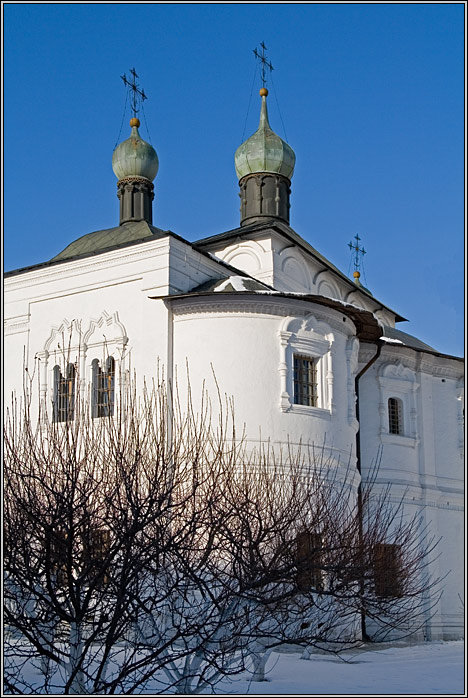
(64, 394)
(309, 561)
(387, 570)
(395, 416)
(305, 381)
(103, 388)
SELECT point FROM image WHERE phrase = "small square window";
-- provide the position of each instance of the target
(305, 381)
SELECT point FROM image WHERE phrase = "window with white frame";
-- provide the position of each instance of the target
(306, 366)
(397, 407)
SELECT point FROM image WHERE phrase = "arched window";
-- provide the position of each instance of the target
(395, 415)
(103, 388)
(64, 394)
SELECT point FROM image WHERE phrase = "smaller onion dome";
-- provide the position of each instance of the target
(135, 157)
(264, 151)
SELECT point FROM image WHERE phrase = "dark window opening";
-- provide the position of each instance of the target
(395, 416)
(305, 381)
(96, 548)
(387, 570)
(64, 394)
(308, 561)
(103, 388)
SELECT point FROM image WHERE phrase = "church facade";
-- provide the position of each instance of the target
(309, 355)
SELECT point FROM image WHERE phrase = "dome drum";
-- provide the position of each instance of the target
(136, 195)
(264, 195)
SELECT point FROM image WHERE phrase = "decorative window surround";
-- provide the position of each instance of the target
(306, 336)
(63, 347)
(398, 381)
(106, 337)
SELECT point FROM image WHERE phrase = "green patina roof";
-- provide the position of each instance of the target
(102, 240)
(264, 151)
(135, 158)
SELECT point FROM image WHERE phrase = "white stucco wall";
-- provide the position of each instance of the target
(424, 464)
(249, 343)
(239, 343)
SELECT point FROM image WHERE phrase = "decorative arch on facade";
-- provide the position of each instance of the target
(65, 338)
(355, 298)
(59, 358)
(106, 329)
(105, 341)
(306, 338)
(294, 268)
(326, 286)
(67, 345)
(398, 388)
(245, 256)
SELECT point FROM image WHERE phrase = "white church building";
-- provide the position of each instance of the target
(308, 354)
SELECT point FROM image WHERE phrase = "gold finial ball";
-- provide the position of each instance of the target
(134, 122)
(263, 92)
(356, 275)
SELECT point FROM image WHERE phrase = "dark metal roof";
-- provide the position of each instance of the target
(411, 342)
(101, 240)
(291, 235)
(115, 238)
(232, 283)
(406, 339)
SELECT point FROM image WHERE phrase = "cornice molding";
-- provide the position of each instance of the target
(76, 267)
(261, 305)
(414, 359)
(16, 325)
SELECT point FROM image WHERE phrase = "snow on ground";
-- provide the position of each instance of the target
(429, 669)
(426, 669)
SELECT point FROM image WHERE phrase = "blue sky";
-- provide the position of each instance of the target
(371, 96)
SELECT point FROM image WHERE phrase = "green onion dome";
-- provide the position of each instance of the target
(264, 151)
(135, 157)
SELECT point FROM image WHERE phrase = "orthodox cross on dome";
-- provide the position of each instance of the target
(357, 253)
(264, 63)
(137, 96)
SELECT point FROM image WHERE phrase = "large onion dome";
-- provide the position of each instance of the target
(264, 151)
(135, 157)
